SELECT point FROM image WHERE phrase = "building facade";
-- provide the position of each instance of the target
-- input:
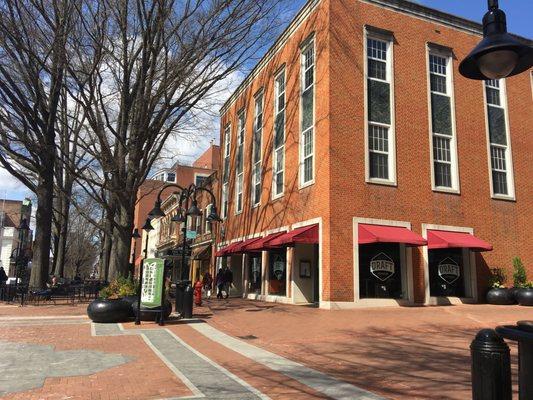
(359, 168)
(12, 212)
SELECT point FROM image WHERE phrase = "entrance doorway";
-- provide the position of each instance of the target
(305, 274)
(449, 273)
(254, 273)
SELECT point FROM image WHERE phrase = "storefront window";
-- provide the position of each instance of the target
(277, 277)
(380, 274)
(446, 273)
(255, 274)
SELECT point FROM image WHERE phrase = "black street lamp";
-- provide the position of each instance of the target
(23, 229)
(499, 54)
(147, 228)
(135, 235)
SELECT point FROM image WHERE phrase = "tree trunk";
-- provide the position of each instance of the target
(103, 272)
(43, 229)
(120, 254)
(63, 233)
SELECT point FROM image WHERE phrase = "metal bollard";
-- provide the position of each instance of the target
(187, 301)
(491, 367)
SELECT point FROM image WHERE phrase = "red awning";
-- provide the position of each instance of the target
(242, 247)
(450, 240)
(264, 243)
(389, 234)
(305, 234)
(228, 250)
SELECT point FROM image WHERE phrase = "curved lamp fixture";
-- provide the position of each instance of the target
(156, 211)
(499, 54)
(135, 234)
(194, 210)
(148, 226)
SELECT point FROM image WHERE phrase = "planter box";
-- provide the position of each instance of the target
(108, 311)
(524, 296)
(500, 296)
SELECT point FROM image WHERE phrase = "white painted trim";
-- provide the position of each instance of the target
(391, 154)
(260, 94)
(407, 266)
(274, 195)
(508, 151)
(456, 187)
(428, 299)
(241, 119)
(364, 303)
(270, 298)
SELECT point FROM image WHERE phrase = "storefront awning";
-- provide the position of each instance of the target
(305, 234)
(389, 234)
(228, 250)
(450, 240)
(201, 252)
(243, 246)
(264, 243)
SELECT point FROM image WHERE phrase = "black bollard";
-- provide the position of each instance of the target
(187, 301)
(491, 367)
(525, 361)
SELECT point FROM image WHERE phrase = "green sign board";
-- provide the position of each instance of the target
(191, 234)
(152, 284)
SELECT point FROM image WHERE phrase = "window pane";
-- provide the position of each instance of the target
(377, 69)
(499, 182)
(308, 169)
(441, 149)
(443, 175)
(379, 165)
(437, 64)
(493, 96)
(377, 49)
(378, 101)
(279, 182)
(378, 138)
(441, 114)
(438, 83)
(279, 138)
(497, 125)
(239, 159)
(307, 109)
(226, 170)
(497, 157)
(308, 142)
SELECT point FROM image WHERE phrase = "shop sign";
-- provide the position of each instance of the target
(382, 267)
(449, 270)
(152, 283)
(190, 235)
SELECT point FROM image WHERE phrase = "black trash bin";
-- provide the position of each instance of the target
(184, 298)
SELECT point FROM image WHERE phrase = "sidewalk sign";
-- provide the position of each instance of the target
(152, 284)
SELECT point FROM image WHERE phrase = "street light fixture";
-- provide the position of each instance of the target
(23, 229)
(499, 54)
(135, 235)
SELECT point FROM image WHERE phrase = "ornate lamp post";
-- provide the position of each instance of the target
(23, 230)
(135, 235)
(499, 54)
(147, 228)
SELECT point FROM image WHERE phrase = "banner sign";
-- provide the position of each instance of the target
(382, 267)
(449, 270)
(190, 235)
(152, 283)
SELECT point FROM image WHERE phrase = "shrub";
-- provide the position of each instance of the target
(118, 288)
(497, 278)
(519, 274)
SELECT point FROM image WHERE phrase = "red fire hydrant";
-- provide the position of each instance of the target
(198, 293)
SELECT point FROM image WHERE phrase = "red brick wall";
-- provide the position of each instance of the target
(340, 192)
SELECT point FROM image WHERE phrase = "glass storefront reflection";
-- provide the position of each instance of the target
(277, 277)
(380, 272)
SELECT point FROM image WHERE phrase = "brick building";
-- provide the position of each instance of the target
(358, 167)
(12, 212)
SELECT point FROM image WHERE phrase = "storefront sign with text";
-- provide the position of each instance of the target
(152, 283)
(449, 270)
(382, 267)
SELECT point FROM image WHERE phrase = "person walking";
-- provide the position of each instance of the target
(221, 281)
(3, 280)
(207, 283)
(228, 280)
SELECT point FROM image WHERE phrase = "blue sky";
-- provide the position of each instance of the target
(519, 21)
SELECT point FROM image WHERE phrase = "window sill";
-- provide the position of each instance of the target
(503, 197)
(306, 184)
(277, 197)
(446, 190)
(382, 182)
(256, 206)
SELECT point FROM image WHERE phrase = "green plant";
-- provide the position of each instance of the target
(519, 274)
(528, 285)
(118, 288)
(497, 278)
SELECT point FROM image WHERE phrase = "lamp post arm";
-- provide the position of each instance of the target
(168, 185)
(213, 199)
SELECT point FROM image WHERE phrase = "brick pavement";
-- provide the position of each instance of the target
(399, 353)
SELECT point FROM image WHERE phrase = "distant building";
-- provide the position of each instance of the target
(183, 175)
(12, 212)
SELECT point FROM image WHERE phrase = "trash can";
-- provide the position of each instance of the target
(184, 298)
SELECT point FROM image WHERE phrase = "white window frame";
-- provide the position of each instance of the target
(196, 174)
(281, 148)
(309, 43)
(257, 166)
(454, 170)
(207, 224)
(508, 151)
(239, 176)
(225, 185)
(392, 180)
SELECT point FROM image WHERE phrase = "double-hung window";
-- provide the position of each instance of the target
(498, 135)
(278, 168)
(226, 172)
(207, 212)
(380, 165)
(444, 168)
(257, 151)
(307, 117)
(239, 167)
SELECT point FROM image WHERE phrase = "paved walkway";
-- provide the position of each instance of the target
(245, 350)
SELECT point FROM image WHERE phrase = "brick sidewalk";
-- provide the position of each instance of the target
(398, 353)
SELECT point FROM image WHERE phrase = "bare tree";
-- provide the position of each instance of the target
(138, 70)
(33, 36)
